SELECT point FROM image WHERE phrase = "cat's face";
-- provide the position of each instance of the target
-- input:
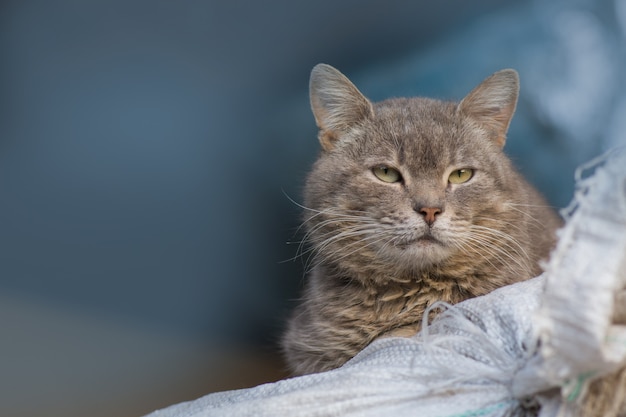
(408, 183)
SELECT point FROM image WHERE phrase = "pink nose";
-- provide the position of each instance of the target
(430, 214)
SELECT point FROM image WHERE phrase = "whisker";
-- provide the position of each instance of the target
(527, 215)
(531, 205)
(499, 245)
(334, 227)
(373, 239)
(502, 254)
(504, 235)
(466, 249)
(499, 257)
(354, 223)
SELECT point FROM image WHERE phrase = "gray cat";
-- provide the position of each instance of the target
(411, 201)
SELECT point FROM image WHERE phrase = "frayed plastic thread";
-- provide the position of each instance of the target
(583, 271)
(576, 388)
(585, 178)
(461, 332)
(583, 183)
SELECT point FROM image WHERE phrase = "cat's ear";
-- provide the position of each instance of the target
(493, 102)
(336, 103)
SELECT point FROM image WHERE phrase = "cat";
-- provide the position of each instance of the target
(411, 201)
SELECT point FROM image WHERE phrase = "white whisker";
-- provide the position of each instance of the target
(526, 214)
(500, 246)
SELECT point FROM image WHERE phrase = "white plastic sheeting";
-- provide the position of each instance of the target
(502, 354)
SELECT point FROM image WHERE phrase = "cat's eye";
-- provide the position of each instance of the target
(386, 174)
(460, 176)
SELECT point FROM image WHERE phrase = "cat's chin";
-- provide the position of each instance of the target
(422, 252)
(426, 241)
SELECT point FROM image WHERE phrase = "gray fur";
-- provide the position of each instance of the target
(377, 262)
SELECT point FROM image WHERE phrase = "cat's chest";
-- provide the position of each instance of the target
(383, 308)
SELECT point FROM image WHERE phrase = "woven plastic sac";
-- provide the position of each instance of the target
(578, 341)
(478, 358)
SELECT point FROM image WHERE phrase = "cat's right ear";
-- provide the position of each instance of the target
(336, 104)
(493, 102)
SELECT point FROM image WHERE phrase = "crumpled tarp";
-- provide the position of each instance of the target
(502, 354)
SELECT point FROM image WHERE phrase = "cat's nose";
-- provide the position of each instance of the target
(430, 214)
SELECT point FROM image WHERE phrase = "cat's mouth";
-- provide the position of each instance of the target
(425, 240)
(422, 250)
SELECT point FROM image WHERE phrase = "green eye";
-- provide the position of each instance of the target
(460, 176)
(387, 174)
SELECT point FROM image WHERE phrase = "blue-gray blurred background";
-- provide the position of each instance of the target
(148, 151)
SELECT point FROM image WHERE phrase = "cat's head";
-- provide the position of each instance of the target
(409, 183)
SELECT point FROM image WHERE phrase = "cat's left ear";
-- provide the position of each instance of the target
(493, 102)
